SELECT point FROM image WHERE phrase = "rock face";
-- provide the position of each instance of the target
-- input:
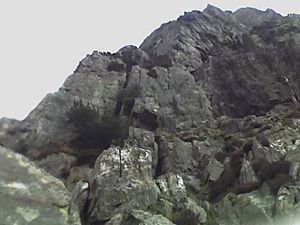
(207, 110)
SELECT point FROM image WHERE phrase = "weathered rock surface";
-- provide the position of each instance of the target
(175, 204)
(58, 164)
(29, 195)
(140, 218)
(121, 181)
(208, 108)
(258, 207)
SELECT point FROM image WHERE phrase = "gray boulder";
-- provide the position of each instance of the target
(121, 181)
(31, 195)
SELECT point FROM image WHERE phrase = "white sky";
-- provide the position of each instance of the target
(42, 41)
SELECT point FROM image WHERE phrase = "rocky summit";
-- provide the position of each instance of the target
(200, 125)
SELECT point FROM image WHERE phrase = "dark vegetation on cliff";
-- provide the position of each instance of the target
(97, 130)
(92, 130)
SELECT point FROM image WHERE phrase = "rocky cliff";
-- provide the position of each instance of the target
(205, 128)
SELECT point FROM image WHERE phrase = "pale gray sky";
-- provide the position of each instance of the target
(42, 41)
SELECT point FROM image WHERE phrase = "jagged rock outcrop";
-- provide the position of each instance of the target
(208, 124)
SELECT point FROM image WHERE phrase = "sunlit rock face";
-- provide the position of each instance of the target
(207, 112)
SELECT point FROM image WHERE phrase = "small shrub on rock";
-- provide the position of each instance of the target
(81, 115)
(91, 129)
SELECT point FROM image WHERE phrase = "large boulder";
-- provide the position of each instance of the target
(30, 195)
(121, 181)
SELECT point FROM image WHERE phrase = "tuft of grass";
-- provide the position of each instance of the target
(91, 129)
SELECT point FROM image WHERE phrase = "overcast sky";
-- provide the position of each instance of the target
(42, 41)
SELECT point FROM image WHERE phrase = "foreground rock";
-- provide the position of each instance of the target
(31, 196)
(258, 207)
